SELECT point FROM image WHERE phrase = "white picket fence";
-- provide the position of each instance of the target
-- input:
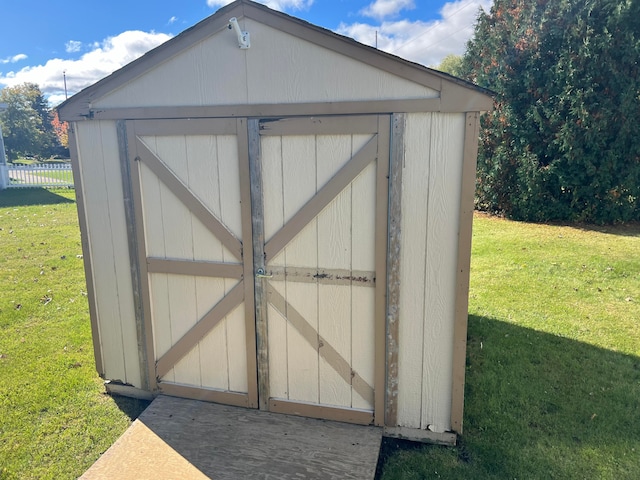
(38, 175)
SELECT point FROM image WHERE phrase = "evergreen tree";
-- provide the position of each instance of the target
(562, 142)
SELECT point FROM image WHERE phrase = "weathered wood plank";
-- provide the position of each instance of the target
(326, 276)
(396, 164)
(180, 438)
(382, 217)
(257, 225)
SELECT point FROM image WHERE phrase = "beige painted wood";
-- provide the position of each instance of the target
(433, 157)
(415, 210)
(199, 323)
(334, 251)
(463, 268)
(178, 189)
(314, 202)
(250, 76)
(97, 148)
(447, 146)
(86, 248)
(325, 242)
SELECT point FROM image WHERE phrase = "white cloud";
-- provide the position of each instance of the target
(281, 5)
(14, 59)
(386, 8)
(423, 42)
(102, 60)
(73, 46)
(172, 20)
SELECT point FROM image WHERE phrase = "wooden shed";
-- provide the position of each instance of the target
(274, 216)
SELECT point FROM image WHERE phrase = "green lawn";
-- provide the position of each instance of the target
(55, 420)
(553, 364)
(553, 372)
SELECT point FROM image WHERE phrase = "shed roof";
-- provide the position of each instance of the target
(455, 95)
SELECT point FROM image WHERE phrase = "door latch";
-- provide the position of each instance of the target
(260, 273)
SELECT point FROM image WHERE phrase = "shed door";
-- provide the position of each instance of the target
(187, 175)
(322, 251)
(262, 253)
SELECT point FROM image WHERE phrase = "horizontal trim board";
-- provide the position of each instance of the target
(323, 276)
(190, 339)
(424, 436)
(354, 125)
(187, 126)
(361, 417)
(194, 267)
(204, 394)
(410, 105)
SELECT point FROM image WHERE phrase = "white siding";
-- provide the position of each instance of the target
(430, 210)
(106, 230)
(278, 68)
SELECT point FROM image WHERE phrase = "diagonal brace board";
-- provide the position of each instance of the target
(183, 193)
(324, 197)
(320, 345)
(200, 329)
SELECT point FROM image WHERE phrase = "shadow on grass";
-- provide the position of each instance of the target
(132, 407)
(536, 406)
(19, 197)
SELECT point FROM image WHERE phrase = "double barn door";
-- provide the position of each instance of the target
(262, 251)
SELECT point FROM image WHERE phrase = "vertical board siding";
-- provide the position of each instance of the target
(254, 75)
(299, 185)
(434, 154)
(342, 236)
(107, 233)
(169, 83)
(415, 181)
(447, 148)
(208, 166)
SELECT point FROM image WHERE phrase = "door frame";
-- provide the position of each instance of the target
(248, 132)
(380, 126)
(130, 157)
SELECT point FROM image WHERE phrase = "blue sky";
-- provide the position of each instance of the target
(44, 41)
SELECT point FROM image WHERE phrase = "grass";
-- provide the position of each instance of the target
(553, 372)
(55, 419)
(553, 363)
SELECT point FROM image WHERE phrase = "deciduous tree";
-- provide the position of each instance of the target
(26, 125)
